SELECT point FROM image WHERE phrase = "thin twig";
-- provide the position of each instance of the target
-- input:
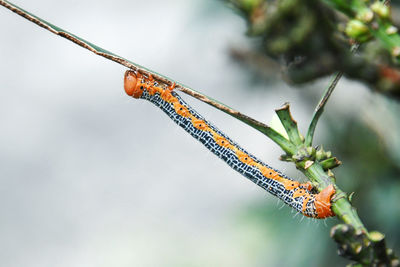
(271, 133)
(320, 107)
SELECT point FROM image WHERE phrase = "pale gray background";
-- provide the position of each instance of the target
(91, 177)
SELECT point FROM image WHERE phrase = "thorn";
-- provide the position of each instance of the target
(308, 164)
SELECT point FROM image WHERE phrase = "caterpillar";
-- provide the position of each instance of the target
(293, 193)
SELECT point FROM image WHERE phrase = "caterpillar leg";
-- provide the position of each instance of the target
(323, 202)
(307, 185)
(172, 87)
(166, 94)
(151, 86)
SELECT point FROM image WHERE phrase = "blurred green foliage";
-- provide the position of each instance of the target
(310, 39)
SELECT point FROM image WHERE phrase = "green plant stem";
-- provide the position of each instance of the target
(340, 204)
(389, 41)
(316, 174)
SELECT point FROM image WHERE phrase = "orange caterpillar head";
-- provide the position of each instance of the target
(133, 84)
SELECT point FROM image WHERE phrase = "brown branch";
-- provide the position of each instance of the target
(275, 136)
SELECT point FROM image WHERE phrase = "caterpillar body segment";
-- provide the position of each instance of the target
(294, 194)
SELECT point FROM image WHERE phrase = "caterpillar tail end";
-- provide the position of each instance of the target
(323, 202)
(132, 84)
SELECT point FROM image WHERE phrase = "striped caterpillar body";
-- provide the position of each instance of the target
(293, 193)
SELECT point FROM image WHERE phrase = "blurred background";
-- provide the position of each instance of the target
(91, 177)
